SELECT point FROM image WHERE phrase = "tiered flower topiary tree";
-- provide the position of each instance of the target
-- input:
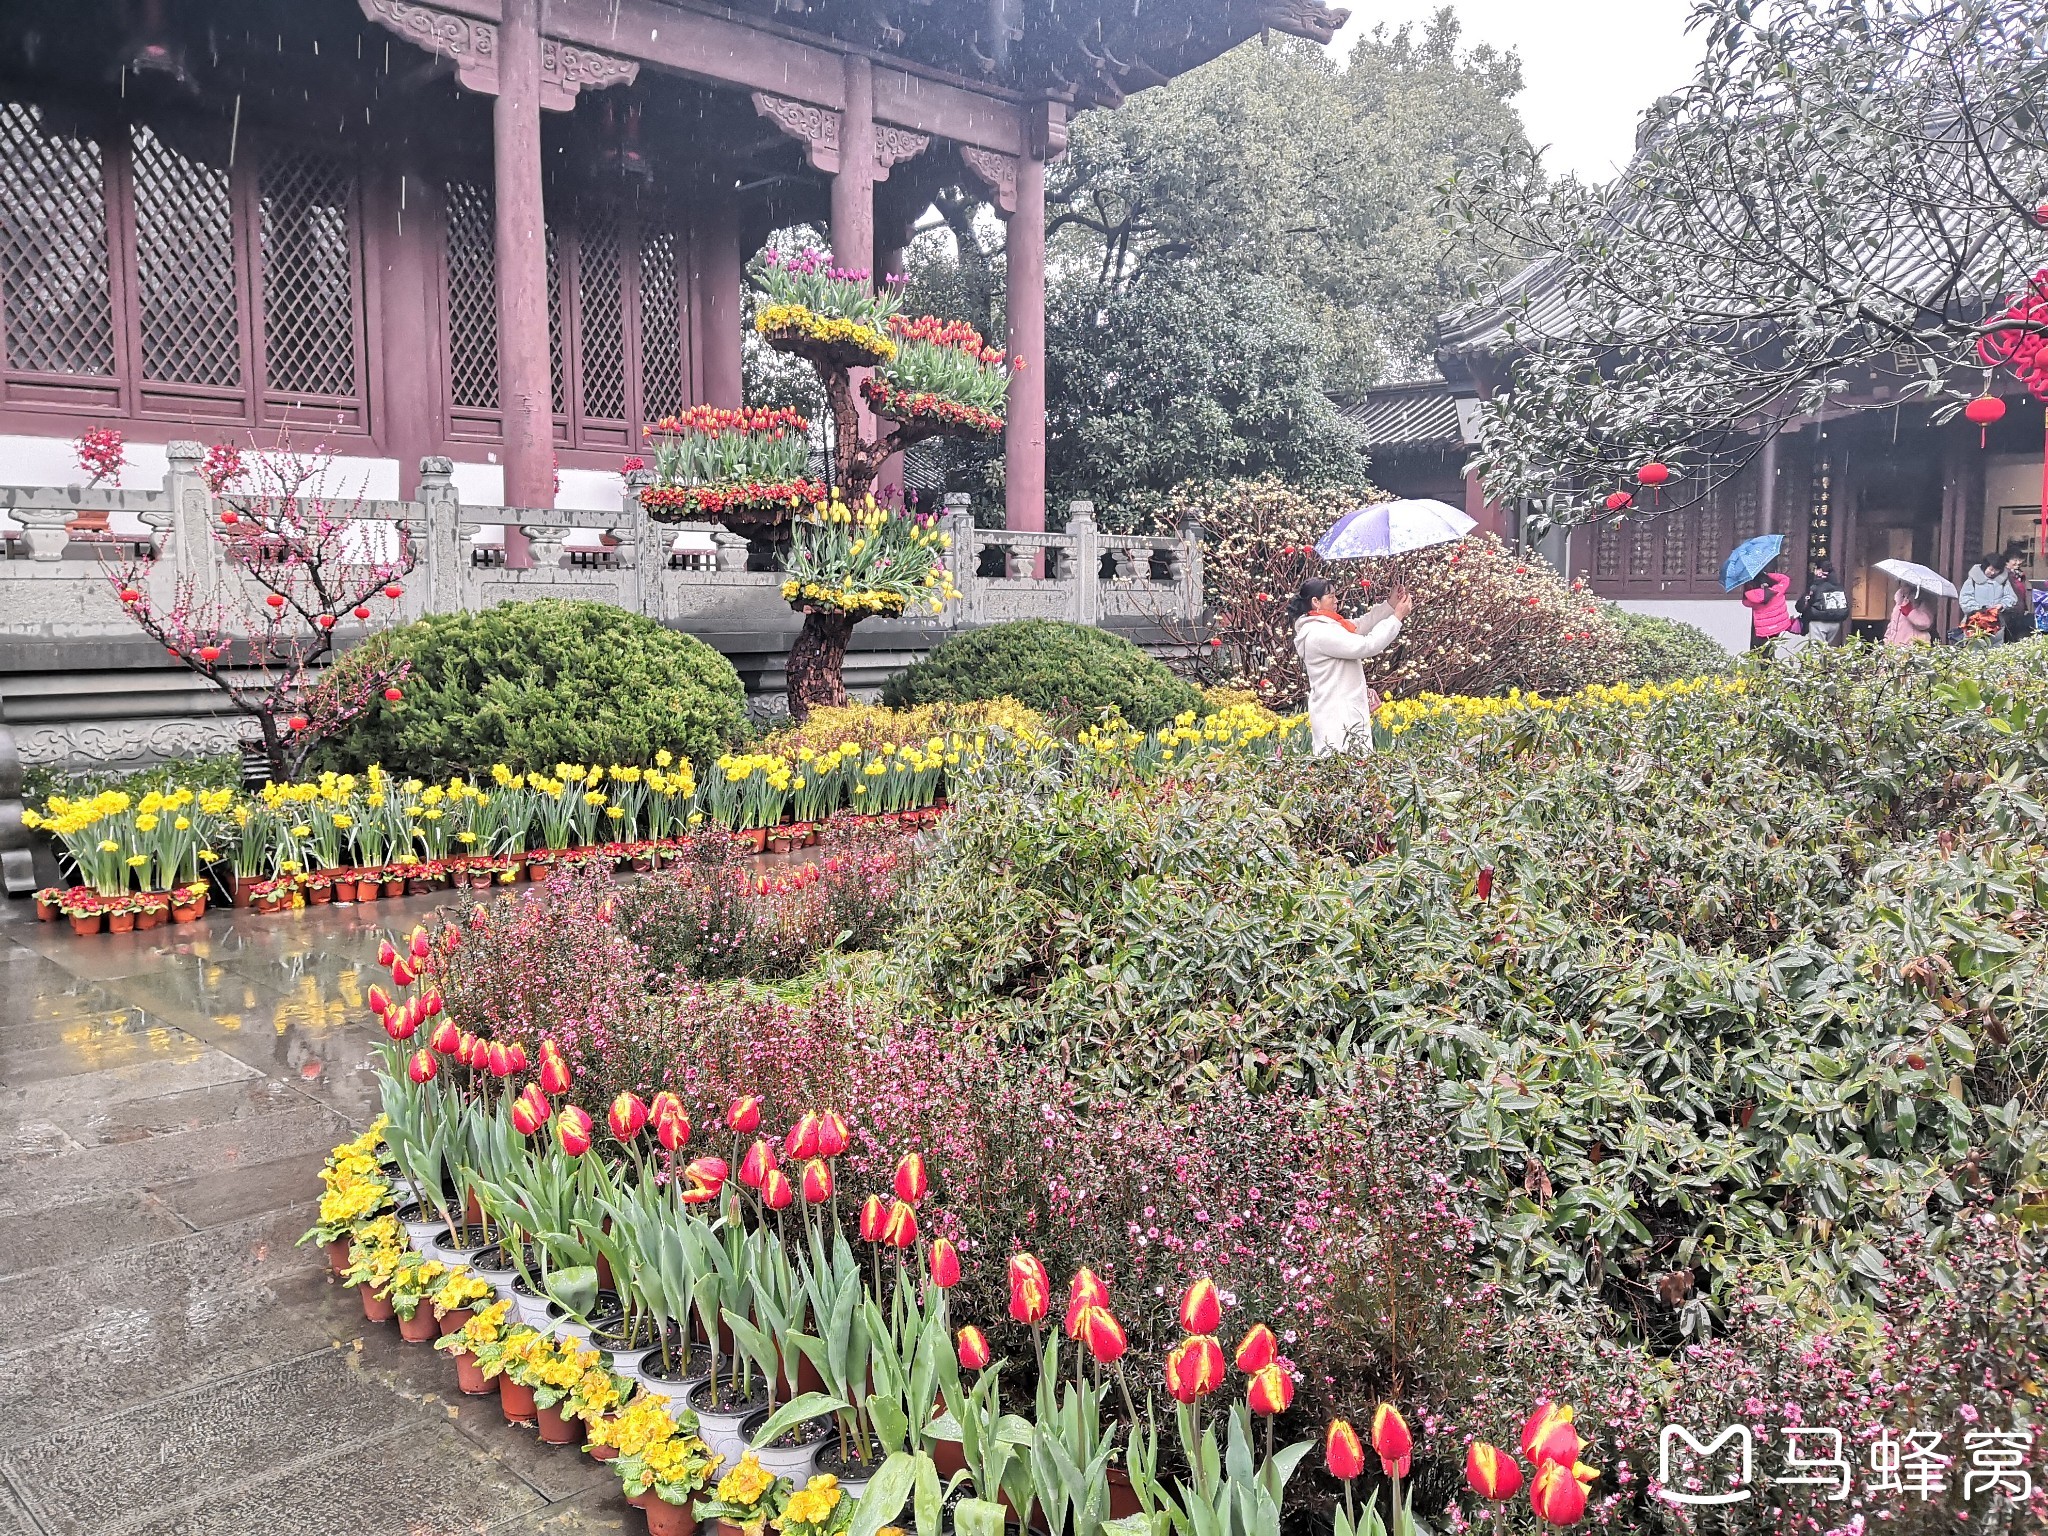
(297, 566)
(851, 558)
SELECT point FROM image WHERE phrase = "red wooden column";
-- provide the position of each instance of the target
(1024, 243)
(853, 185)
(524, 383)
(719, 276)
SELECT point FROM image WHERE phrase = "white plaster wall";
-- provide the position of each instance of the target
(1727, 621)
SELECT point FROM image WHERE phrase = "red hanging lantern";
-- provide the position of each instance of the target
(1619, 500)
(1984, 410)
(1653, 474)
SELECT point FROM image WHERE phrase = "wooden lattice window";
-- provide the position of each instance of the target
(56, 300)
(307, 228)
(558, 348)
(661, 312)
(1607, 551)
(1672, 563)
(1743, 525)
(1707, 552)
(472, 268)
(1639, 552)
(187, 279)
(600, 320)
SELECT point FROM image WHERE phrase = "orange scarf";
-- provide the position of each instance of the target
(1336, 618)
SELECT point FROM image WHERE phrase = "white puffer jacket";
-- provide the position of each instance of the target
(1339, 707)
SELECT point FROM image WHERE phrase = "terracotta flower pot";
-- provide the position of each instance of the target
(120, 922)
(469, 1376)
(666, 1519)
(151, 917)
(395, 887)
(1123, 1498)
(602, 1452)
(421, 1327)
(779, 842)
(517, 1401)
(377, 1309)
(238, 890)
(319, 895)
(84, 923)
(948, 1457)
(337, 1255)
(451, 1322)
(480, 880)
(189, 911)
(367, 890)
(754, 838)
(536, 872)
(642, 863)
(556, 1430)
(47, 911)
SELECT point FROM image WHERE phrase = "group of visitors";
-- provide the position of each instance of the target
(1999, 606)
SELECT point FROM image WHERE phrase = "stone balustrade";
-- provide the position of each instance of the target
(54, 575)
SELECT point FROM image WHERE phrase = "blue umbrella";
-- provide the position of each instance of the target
(1750, 556)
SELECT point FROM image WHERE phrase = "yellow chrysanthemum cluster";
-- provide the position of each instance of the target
(1459, 711)
(781, 321)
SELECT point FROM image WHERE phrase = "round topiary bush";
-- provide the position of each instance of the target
(532, 684)
(1049, 666)
(1659, 650)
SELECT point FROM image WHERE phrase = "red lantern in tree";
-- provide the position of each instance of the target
(1619, 500)
(1984, 411)
(275, 600)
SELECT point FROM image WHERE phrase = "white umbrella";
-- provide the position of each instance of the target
(1917, 576)
(1392, 528)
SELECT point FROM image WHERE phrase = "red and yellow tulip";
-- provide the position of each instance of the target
(974, 1352)
(572, 1129)
(1342, 1453)
(1257, 1350)
(1491, 1472)
(1391, 1440)
(1201, 1307)
(944, 1263)
(627, 1116)
(1030, 1290)
(1194, 1368)
(910, 1182)
(1272, 1389)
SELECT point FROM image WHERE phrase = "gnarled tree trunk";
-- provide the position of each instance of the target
(815, 663)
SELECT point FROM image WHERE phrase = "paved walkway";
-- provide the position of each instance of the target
(169, 1362)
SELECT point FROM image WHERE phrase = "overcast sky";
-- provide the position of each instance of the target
(1590, 66)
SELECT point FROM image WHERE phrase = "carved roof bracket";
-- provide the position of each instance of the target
(816, 128)
(472, 47)
(995, 171)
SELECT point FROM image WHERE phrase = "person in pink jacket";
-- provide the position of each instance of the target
(1912, 621)
(1768, 615)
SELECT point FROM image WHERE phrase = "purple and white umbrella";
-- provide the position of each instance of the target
(1393, 528)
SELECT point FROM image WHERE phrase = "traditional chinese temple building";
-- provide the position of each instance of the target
(509, 232)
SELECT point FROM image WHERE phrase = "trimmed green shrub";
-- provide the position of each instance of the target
(1049, 666)
(1659, 650)
(531, 684)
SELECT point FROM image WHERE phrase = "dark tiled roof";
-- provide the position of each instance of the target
(1423, 414)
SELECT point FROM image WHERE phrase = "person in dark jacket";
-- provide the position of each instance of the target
(1825, 607)
(2019, 618)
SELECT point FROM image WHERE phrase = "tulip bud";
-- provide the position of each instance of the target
(1557, 1496)
(401, 973)
(1391, 1440)
(1257, 1350)
(1548, 1435)
(446, 1038)
(573, 1130)
(422, 1067)
(1342, 1453)
(628, 1115)
(554, 1071)
(944, 1261)
(386, 955)
(706, 1177)
(911, 1183)
(515, 1053)
(524, 1119)
(974, 1354)
(1030, 1290)
(1086, 1291)
(430, 1005)
(758, 1163)
(671, 1124)
(802, 1139)
(775, 1190)
(817, 1181)
(1491, 1472)
(469, 1050)
(402, 1023)
(874, 1217)
(900, 1231)
(499, 1059)
(1201, 1307)
(420, 945)
(1272, 1390)
(380, 1000)
(833, 1133)
(1103, 1335)
(743, 1116)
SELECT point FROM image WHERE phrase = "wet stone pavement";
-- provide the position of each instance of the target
(169, 1360)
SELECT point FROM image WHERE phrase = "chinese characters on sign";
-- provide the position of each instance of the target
(1907, 1466)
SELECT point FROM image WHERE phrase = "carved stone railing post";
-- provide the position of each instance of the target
(544, 544)
(441, 510)
(732, 549)
(959, 523)
(641, 547)
(191, 550)
(1083, 558)
(44, 531)
(1190, 568)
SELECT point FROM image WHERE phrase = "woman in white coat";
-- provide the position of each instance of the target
(1333, 650)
